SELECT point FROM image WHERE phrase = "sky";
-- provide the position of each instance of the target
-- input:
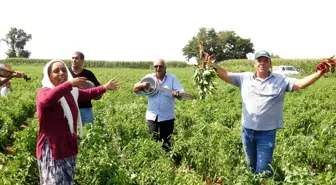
(145, 30)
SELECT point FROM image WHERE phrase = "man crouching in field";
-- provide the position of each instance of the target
(263, 94)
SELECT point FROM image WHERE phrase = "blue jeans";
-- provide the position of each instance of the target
(86, 115)
(259, 147)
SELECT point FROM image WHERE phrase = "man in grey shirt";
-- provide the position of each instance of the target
(263, 94)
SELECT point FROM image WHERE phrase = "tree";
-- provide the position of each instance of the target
(224, 44)
(16, 40)
(275, 56)
(24, 53)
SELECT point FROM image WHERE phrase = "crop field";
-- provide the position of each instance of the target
(207, 136)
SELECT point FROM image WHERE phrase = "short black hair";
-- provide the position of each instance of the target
(81, 55)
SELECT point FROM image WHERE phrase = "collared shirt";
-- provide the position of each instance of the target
(4, 91)
(262, 99)
(162, 104)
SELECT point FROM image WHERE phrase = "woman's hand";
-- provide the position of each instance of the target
(111, 85)
(78, 82)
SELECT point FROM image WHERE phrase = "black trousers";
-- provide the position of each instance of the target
(162, 131)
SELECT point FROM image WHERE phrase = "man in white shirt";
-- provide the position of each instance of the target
(5, 89)
(160, 112)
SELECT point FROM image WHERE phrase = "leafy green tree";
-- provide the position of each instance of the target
(11, 53)
(24, 53)
(224, 44)
(16, 40)
(274, 56)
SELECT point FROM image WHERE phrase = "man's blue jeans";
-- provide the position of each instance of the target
(259, 147)
(87, 115)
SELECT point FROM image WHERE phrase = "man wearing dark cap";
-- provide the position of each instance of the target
(263, 94)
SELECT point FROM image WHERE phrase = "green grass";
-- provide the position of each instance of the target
(207, 138)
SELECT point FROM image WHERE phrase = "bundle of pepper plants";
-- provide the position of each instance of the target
(205, 74)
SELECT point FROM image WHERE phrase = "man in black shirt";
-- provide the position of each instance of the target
(77, 70)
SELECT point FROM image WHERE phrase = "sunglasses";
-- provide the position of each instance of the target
(160, 66)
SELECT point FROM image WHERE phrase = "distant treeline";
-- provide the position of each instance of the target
(305, 66)
(96, 63)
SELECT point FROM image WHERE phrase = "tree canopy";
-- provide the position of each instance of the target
(16, 40)
(224, 44)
